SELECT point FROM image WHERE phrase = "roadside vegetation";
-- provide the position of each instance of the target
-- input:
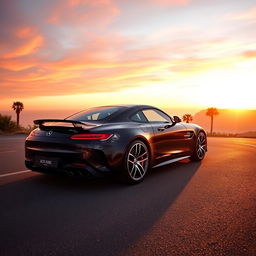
(7, 126)
(17, 106)
(211, 112)
(187, 118)
(251, 134)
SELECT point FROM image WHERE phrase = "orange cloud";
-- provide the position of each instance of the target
(88, 2)
(80, 76)
(84, 12)
(247, 15)
(24, 32)
(250, 54)
(171, 2)
(27, 48)
(102, 65)
(16, 64)
(80, 52)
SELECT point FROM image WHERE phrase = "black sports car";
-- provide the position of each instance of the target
(125, 139)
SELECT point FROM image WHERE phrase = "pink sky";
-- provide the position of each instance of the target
(72, 54)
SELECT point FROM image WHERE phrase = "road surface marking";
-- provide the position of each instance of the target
(246, 144)
(9, 151)
(13, 173)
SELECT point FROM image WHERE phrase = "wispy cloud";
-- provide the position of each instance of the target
(244, 15)
(249, 54)
(29, 47)
(98, 13)
(87, 46)
(170, 2)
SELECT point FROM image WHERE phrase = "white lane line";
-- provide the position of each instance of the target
(246, 144)
(13, 173)
(8, 151)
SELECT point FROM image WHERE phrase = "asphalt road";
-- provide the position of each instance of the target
(185, 208)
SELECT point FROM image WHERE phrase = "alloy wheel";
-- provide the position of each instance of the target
(201, 145)
(137, 161)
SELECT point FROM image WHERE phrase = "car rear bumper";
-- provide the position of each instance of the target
(73, 170)
(82, 160)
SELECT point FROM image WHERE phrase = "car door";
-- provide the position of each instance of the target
(169, 140)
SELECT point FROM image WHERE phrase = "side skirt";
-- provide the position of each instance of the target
(171, 161)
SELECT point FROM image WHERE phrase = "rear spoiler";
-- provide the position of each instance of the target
(76, 124)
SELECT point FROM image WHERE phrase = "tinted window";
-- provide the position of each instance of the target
(153, 115)
(139, 117)
(94, 114)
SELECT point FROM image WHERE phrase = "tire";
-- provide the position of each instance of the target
(136, 162)
(200, 147)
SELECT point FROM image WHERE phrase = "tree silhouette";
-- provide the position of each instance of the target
(18, 107)
(212, 112)
(187, 118)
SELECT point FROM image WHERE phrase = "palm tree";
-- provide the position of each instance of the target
(18, 106)
(212, 112)
(187, 118)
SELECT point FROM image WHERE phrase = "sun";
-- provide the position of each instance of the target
(234, 89)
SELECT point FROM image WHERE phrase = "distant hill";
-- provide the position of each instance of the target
(228, 121)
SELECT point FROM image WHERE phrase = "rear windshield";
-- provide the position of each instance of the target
(94, 114)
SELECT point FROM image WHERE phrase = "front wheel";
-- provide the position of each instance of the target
(200, 147)
(136, 162)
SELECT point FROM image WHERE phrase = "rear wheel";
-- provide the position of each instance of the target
(136, 162)
(200, 147)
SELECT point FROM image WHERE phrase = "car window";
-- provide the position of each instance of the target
(139, 117)
(94, 114)
(154, 115)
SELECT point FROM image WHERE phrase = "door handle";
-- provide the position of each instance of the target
(161, 129)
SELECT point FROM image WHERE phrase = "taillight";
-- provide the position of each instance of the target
(92, 136)
(32, 134)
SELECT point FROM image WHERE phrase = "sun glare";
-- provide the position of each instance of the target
(234, 89)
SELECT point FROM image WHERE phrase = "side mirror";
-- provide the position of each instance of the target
(176, 119)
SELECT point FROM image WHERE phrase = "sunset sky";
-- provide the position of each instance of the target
(73, 54)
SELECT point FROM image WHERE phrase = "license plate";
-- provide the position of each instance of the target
(47, 162)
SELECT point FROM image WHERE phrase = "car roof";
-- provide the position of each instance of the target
(128, 109)
(129, 106)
